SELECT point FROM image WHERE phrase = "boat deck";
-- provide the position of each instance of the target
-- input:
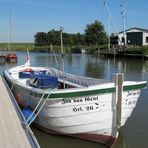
(70, 80)
(12, 133)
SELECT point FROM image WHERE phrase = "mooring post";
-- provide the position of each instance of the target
(118, 80)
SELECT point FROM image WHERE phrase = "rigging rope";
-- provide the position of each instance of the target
(39, 109)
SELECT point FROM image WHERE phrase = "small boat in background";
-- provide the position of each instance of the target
(11, 58)
(83, 50)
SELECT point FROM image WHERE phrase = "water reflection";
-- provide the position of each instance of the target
(93, 66)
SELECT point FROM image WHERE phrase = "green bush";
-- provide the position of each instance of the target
(145, 50)
(134, 50)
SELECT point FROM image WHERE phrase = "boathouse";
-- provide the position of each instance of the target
(134, 36)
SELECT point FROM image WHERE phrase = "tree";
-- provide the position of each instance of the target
(95, 34)
(53, 37)
(41, 39)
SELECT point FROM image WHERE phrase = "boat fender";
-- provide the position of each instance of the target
(27, 112)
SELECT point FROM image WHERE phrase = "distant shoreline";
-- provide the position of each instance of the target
(138, 52)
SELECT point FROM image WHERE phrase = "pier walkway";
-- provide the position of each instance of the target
(12, 133)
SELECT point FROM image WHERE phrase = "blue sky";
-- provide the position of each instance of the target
(32, 16)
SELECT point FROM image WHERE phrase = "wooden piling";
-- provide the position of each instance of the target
(118, 80)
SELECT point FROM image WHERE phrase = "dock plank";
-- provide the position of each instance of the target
(12, 133)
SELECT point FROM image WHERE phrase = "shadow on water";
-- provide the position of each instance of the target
(57, 141)
(121, 142)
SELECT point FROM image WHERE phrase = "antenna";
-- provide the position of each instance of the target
(122, 5)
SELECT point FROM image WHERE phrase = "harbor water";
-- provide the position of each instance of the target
(135, 132)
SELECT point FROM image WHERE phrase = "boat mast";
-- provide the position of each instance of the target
(109, 33)
(10, 23)
(123, 18)
(51, 49)
(111, 19)
(61, 30)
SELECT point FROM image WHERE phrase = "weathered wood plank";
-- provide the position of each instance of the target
(12, 133)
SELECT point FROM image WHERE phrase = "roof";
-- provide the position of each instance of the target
(137, 28)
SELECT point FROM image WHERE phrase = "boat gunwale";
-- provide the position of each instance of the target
(77, 92)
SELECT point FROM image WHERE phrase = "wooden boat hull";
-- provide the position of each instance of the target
(88, 113)
(103, 139)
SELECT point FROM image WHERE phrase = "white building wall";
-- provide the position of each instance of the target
(120, 38)
(145, 34)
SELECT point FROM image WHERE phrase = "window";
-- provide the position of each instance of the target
(123, 40)
(146, 39)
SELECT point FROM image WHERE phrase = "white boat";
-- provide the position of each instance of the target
(84, 50)
(82, 107)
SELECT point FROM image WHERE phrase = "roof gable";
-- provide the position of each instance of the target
(135, 29)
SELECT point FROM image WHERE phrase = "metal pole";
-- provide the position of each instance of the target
(51, 48)
(110, 17)
(114, 26)
(61, 30)
(109, 33)
(123, 18)
(9, 47)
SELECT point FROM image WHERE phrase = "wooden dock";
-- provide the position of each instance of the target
(121, 54)
(12, 133)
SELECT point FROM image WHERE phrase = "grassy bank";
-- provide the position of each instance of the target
(17, 46)
(68, 49)
(31, 47)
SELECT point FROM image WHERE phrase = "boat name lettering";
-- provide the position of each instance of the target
(133, 93)
(76, 109)
(91, 98)
(86, 108)
(77, 100)
(131, 102)
(64, 101)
